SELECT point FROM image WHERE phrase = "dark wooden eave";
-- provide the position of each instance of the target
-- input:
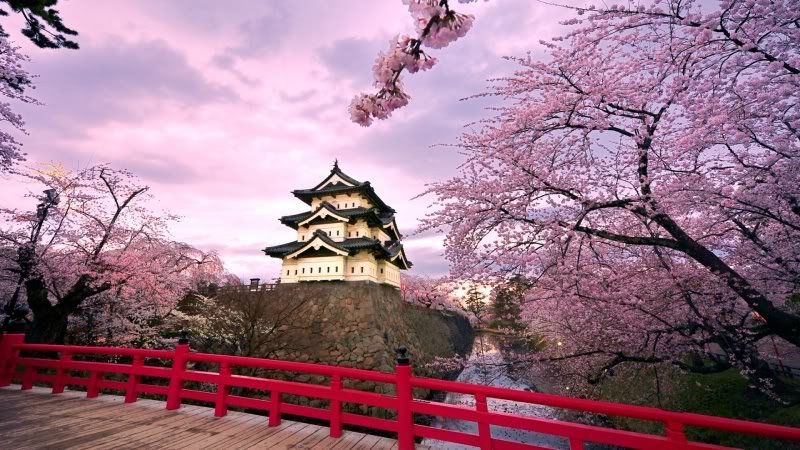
(351, 246)
(373, 216)
(365, 189)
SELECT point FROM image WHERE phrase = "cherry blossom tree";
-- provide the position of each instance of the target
(92, 245)
(644, 178)
(430, 292)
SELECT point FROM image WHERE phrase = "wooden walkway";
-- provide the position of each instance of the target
(37, 419)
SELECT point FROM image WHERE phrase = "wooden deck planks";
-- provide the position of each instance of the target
(36, 419)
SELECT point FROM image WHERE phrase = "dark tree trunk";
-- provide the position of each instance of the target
(49, 327)
(49, 321)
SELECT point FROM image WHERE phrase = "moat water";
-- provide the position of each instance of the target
(487, 366)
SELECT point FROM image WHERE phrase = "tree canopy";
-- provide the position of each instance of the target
(644, 178)
(43, 24)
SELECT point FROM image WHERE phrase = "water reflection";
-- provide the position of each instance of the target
(487, 366)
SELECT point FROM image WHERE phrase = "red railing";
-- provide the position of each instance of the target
(403, 402)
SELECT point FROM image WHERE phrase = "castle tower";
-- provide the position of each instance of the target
(349, 234)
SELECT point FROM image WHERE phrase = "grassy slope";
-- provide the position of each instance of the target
(723, 394)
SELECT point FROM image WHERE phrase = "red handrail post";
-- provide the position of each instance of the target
(94, 384)
(8, 356)
(275, 408)
(27, 378)
(484, 429)
(336, 407)
(575, 444)
(176, 376)
(221, 406)
(676, 434)
(63, 366)
(131, 393)
(404, 393)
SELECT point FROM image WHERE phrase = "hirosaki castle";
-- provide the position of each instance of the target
(349, 234)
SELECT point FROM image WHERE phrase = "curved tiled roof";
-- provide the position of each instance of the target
(340, 174)
(307, 195)
(351, 213)
(389, 250)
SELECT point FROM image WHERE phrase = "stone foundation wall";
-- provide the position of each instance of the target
(359, 324)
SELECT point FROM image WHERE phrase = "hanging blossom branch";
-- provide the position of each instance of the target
(437, 26)
(14, 80)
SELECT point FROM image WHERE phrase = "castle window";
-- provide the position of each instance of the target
(381, 270)
(356, 233)
(337, 232)
(329, 269)
(349, 234)
(319, 270)
(295, 271)
(287, 272)
(352, 270)
(304, 270)
(337, 269)
(362, 269)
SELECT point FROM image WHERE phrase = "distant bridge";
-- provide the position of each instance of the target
(30, 420)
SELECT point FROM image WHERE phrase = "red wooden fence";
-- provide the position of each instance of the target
(403, 402)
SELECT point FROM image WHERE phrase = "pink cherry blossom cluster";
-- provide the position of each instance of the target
(404, 53)
(365, 107)
(436, 23)
(447, 29)
(437, 26)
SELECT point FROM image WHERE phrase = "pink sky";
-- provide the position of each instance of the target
(223, 108)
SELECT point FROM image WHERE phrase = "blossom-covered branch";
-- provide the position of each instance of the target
(14, 80)
(437, 26)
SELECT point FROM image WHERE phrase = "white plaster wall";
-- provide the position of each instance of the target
(382, 236)
(358, 229)
(393, 274)
(342, 201)
(388, 273)
(336, 231)
(289, 271)
(313, 269)
(361, 267)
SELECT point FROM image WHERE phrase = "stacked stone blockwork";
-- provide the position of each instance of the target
(360, 324)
